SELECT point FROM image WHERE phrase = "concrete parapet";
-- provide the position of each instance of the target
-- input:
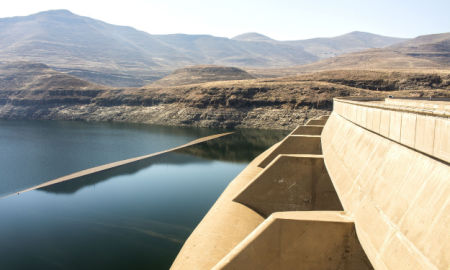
(299, 240)
(307, 130)
(426, 104)
(291, 183)
(425, 128)
(295, 144)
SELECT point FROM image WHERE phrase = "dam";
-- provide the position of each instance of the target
(366, 187)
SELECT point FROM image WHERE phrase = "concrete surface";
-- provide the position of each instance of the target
(388, 164)
(434, 105)
(291, 183)
(295, 144)
(299, 240)
(398, 196)
(225, 225)
(307, 130)
(316, 122)
(424, 128)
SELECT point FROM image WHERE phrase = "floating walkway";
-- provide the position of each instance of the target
(366, 187)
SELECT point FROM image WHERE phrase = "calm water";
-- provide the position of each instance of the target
(133, 217)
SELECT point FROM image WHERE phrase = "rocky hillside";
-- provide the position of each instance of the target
(381, 80)
(435, 48)
(122, 56)
(202, 74)
(332, 46)
(348, 43)
(35, 76)
(280, 103)
(424, 52)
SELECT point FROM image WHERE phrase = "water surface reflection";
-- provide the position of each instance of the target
(131, 217)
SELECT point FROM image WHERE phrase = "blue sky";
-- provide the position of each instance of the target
(279, 19)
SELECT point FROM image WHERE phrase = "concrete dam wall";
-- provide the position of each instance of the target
(367, 187)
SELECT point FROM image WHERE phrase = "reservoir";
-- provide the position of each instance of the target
(132, 217)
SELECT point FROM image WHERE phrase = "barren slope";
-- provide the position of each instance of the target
(35, 76)
(201, 74)
(430, 52)
(280, 103)
(123, 56)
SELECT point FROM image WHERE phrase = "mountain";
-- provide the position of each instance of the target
(202, 74)
(35, 76)
(119, 55)
(123, 56)
(423, 52)
(253, 37)
(431, 47)
(88, 48)
(210, 50)
(39, 86)
(351, 42)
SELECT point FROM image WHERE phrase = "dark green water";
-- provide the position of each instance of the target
(133, 217)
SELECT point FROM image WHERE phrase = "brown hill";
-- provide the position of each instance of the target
(202, 74)
(435, 48)
(348, 43)
(35, 76)
(37, 85)
(421, 53)
(279, 103)
(122, 56)
(431, 51)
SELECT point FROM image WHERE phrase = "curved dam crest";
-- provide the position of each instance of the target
(366, 187)
(105, 167)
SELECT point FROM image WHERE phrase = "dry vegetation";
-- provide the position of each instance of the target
(34, 76)
(315, 89)
(280, 103)
(212, 96)
(424, 54)
(201, 74)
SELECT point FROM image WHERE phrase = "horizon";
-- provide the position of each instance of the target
(206, 34)
(173, 19)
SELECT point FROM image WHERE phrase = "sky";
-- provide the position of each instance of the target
(278, 19)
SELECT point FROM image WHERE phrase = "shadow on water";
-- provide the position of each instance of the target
(137, 217)
(33, 152)
(241, 147)
(76, 184)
